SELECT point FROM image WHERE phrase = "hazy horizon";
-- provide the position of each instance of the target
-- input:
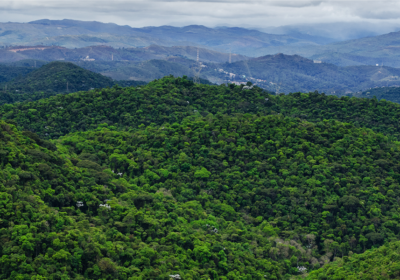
(250, 14)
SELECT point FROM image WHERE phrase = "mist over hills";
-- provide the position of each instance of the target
(72, 33)
(311, 41)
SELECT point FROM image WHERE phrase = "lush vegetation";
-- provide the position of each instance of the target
(54, 77)
(208, 182)
(280, 193)
(30, 84)
(8, 73)
(143, 70)
(146, 234)
(171, 100)
(386, 93)
(381, 263)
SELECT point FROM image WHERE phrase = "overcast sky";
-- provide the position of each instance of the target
(251, 13)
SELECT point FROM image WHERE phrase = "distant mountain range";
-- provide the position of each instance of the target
(72, 33)
(314, 42)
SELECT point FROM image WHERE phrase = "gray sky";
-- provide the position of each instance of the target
(252, 13)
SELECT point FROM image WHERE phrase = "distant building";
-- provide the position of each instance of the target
(317, 61)
(88, 59)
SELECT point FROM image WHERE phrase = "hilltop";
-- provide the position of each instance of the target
(50, 79)
(8, 73)
(54, 76)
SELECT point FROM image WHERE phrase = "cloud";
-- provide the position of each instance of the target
(255, 13)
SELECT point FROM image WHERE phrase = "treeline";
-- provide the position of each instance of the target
(172, 99)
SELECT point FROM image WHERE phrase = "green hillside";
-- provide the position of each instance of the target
(204, 181)
(381, 263)
(8, 73)
(171, 100)
(386, 93)
(211, 197)
(146, 234)
(30, 84)
(54, 77)
(142, 71)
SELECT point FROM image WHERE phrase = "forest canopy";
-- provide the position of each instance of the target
(204, 182)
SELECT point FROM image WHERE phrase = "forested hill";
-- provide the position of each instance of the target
(29, 84)
(381, 263)
(215, 196)
(172, 99)
(60, 77)
(387, 93)
(8, 73)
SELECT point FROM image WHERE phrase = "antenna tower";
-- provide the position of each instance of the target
(230, 56)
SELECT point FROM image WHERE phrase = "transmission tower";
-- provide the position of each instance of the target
(197, 69)
(247, 67)
(230, 56)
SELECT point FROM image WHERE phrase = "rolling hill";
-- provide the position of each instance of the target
(8, 73)
(180, 180)
(382, 49)
(54, 77)
(29, 84)
(386, 93)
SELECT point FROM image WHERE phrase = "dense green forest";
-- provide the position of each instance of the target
(171, 100)
(54, 76)
(200, 181)
(387, 93)
(381, 263)
(8, 73)
(25, 83)
(240, 197)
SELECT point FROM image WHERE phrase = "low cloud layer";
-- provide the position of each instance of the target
(253, 13)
